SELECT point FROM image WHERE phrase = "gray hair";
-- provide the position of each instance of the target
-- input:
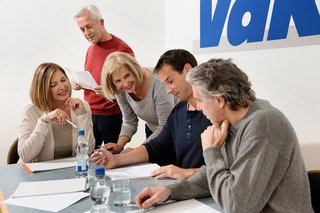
(92, 9)
(219, 77)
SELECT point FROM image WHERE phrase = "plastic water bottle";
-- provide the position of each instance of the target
(82, 155)
(91, 173)
(100, 192)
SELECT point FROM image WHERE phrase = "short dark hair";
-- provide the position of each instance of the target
(177, 58)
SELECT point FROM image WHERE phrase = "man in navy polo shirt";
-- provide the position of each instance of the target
(178, 147)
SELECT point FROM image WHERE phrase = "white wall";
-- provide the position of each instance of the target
(288, 77)
(36, 31)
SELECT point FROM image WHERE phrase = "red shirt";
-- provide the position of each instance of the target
(95, 58)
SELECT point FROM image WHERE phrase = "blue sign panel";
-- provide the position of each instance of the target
(304, 14)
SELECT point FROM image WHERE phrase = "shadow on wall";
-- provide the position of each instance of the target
(311, 155)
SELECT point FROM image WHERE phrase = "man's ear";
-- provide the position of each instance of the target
(101, 22)
(187, 67)
(220, 100)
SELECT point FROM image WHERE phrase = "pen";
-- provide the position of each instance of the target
(140, 210)
(101, 147)
(72, 124)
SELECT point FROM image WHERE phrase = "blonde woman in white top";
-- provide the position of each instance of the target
(44, 133)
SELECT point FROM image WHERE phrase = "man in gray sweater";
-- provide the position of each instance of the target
(253, 159)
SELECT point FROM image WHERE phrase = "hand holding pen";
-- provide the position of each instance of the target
(61, 116)
(58, 116)
(152, 196)
(104, 157)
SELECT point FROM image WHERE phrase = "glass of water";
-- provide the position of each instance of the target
(121, 192)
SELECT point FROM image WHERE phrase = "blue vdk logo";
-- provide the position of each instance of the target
(304, 13)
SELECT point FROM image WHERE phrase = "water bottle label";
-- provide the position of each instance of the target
(81, 167)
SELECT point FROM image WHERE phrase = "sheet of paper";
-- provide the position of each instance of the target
(84, 78)
(49, 165)
(50, 187)
(53, 203)
(137, 210)
(185, 206)
(132, 171)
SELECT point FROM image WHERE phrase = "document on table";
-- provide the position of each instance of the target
(131, 172)
(185, 206)
(49, 165)
(50, 187)
(83, 78)
(53, 203)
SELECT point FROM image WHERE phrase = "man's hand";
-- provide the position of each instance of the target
(98, 90)
(174, 172)
(126, 150)
(151, 196)
(76, 86)
(215, 135)
(104, 157)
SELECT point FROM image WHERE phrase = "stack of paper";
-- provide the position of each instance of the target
(83, 78)
(27, 189)
(49, 165)
(52, 195)
(132, 172)
(52, 203)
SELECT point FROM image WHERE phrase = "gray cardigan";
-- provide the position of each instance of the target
(259, 168)
(154, 109)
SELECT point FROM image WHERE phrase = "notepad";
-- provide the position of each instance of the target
(49, 165)
(131, 172)
(52, 203)
(50, 187)
(83, 78)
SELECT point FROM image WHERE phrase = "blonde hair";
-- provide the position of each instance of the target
(40, 93)
(112, 64)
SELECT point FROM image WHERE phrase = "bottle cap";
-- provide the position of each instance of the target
(100, 170)
(80, 132)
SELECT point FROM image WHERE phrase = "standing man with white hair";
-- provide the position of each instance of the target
(106, 115)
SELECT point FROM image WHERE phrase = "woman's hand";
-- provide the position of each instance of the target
(113, 147)
(74, 103)
(58, 115)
